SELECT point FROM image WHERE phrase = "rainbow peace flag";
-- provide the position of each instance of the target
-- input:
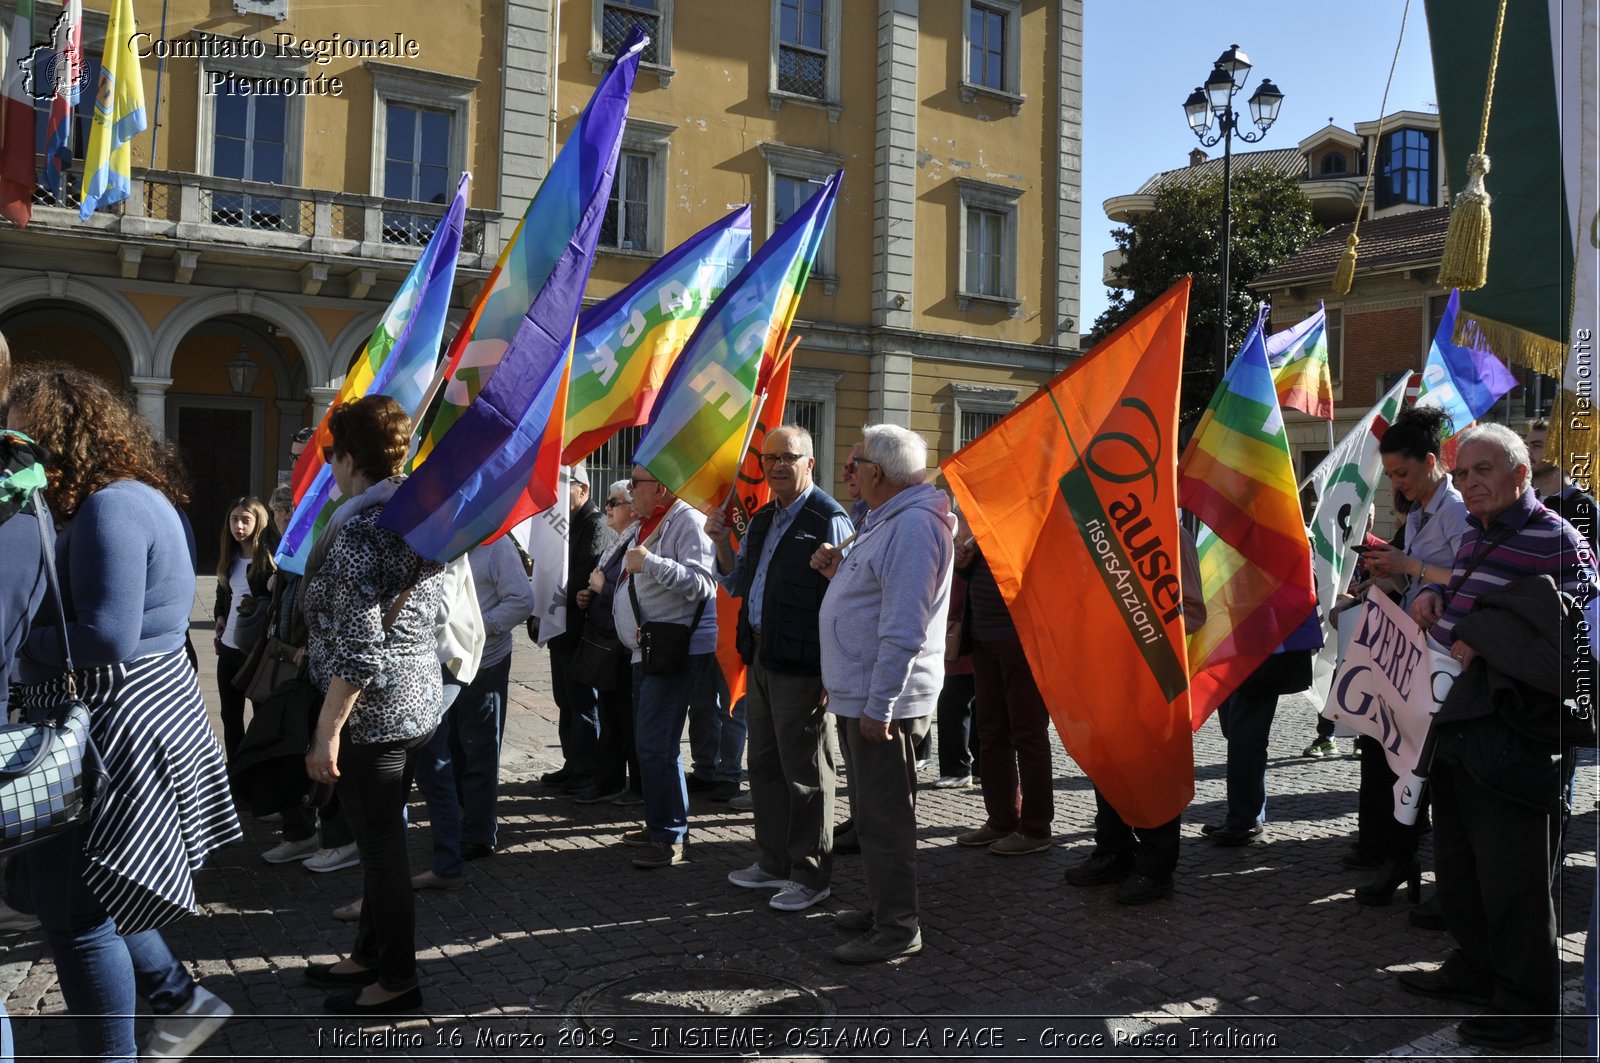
(1238, 478)
(497, 462)
(701, 422)
(1299, 359)
(118, 116)
(627, 344)
(398, 361)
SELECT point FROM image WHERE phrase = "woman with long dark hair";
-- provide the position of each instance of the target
(371, 607)
(244, 565)
(126, 565)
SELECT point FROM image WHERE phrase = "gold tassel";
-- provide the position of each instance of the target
(1466, 246)
(1512, 345)
(1345, 274)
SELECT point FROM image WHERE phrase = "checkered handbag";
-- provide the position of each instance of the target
(48, 769)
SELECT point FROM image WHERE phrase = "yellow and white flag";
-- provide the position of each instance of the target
(119, 116)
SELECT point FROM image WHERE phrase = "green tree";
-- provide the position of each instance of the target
(1182, 235)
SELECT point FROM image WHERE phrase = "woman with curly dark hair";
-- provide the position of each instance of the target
(372, 607)
(127, 576)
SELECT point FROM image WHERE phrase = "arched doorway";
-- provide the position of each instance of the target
(55, 330)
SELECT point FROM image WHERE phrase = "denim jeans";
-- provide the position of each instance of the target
(716, 734)
(661, 704)
(1246, 721)
(101, 972)
(375, 780)
(458, 771)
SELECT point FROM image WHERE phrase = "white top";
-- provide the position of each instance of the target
(239, 584)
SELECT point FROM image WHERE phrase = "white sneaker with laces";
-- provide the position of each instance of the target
(797, 898)
(287, 852)
(952, 782)
(753, 878)
(334, 859)
(176, 1036)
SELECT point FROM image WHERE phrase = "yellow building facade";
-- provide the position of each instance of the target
(300, 153)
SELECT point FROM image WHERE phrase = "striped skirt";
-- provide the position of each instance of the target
(166, 803)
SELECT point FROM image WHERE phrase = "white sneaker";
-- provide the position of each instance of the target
(334, 859)
(287, 852)
(177, 1035)
(952, 782)
(753, 878)
(923, 763)
(797, 898)
(11, 919)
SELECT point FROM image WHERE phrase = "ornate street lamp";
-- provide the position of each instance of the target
(1216, 100)
(242, 372)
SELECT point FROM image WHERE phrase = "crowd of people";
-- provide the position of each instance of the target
(860, 623)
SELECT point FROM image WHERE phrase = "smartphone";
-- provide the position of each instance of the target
(1362, 549)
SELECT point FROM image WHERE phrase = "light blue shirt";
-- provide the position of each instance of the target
(839, 529)
(1434, 534)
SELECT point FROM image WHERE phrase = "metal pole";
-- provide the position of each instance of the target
(1227, 238)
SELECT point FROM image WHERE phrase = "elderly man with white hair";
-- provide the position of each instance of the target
(1498, 738)
(883, 630)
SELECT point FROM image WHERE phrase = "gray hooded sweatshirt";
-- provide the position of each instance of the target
(883, 620)
(677, 577)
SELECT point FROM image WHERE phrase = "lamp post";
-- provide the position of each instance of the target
(1215, 100)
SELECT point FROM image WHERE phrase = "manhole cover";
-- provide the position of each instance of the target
(700, 1012)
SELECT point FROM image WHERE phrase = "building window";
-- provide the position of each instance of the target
(811, 403)
(1406, 168)
(612, 21)
(613, 461)
(988, 243)
(633, 218)
(978, 409)
(1437, 305)
(420, 144)
(805, 53)
(1334, 164)
(793, 177)
(250, 145)
(1335, 335)
(994, 48)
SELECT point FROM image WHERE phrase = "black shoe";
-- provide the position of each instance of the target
(347, 1004)
(1505, 1031)
(1427, 916)
(576, 784)
(845, 841)
(1142, 889)
(1380, 891)
(699, 785)
(323, 974)
(1234, 837)
(476, 851)
(557, 777)
(1356, 860)
(594, 796)
(1099, 868)
(1439, 985)
(852, 920)
(725, 791)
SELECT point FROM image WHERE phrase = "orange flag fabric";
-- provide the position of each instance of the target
(750, 493)
(1073, 498)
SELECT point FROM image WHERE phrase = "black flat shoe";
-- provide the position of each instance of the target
(323, 974)
(348, 1004)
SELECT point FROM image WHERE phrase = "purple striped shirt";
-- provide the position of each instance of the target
(1526, 540)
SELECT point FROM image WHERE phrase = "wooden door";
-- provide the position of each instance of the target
(217, 448)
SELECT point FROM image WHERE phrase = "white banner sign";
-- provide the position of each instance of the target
(1392, 680)
(544, 538)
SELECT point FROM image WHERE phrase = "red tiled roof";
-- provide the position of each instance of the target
(1289, 161)
(1413, 238)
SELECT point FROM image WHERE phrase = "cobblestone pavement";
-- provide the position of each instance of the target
(1262, 951)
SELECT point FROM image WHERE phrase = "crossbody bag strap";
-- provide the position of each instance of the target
(48, 548)
(400, 603)
(638, 612)
(1485, 547)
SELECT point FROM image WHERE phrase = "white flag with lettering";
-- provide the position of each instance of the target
(544, 537)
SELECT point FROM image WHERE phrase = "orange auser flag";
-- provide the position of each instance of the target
(1073, 498)
(750, 493)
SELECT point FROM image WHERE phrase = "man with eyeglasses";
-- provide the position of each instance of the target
(791, 763)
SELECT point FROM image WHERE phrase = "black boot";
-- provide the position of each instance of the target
(1380, 891)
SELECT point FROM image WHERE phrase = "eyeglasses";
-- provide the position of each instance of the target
(613, 503)
(769, 460)
(851, 466)
(635, 481)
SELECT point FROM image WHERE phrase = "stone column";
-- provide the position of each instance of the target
(1069, 174)
(321, 402)
(894, 165)
(150, 398)
(889, 387)
(525, 104)
(291, 418)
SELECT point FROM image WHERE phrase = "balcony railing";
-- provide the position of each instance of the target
(166, 204)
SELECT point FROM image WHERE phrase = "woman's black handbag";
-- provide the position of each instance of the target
(663, 645)
(598, 660)
(49, 772)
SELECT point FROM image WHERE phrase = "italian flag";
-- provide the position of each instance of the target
(16, 121)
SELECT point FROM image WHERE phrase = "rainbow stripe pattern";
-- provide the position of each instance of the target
(698, 430)
(627, 344)
(1238, 478)
(1299, 359)
(398, 361)
(497, 462)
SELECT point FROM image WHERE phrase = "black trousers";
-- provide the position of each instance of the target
(1379, 836)
(616, 761)
(1495, 855)
(1154, 849)
(374, 782)
(230, 700)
